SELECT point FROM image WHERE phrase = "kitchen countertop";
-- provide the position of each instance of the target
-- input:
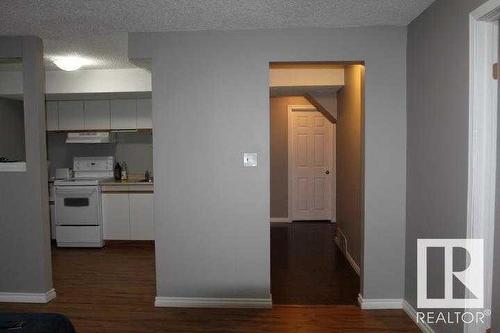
(131, 181)
(132, 185)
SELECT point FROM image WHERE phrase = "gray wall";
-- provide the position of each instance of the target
(279, 152)
(12, 129)
(25, 261)
(134, 148)
(437, 157)
(211, 104)
(349, 159)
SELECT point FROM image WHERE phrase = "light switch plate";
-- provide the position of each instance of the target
(249, 159)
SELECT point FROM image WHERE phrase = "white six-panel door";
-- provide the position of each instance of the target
(310, 159)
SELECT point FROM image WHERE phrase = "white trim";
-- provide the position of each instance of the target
(13, 167)
(28, 297)
(280, 220)
(346, 253)
(201, 302)
(412, 313)
(380, 304)
(488, 11)
(483, 95)
(290, 109)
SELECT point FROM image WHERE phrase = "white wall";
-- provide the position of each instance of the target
(210, 104)
(83, 81)
(290, 77)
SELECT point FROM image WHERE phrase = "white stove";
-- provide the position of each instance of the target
(78, 210)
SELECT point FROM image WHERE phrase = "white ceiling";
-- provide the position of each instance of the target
(97, 29)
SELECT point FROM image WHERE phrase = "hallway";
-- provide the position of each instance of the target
(308, 268)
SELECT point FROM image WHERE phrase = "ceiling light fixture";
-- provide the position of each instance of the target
(69, 63)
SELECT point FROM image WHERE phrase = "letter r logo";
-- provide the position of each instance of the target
(471, 277)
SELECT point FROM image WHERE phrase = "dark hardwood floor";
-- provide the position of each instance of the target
(308, 268)
(112, 290)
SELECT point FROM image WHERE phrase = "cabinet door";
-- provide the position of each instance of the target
(123, 114)
(97, 115)
(141, 216)
(115, 216)
(52, 116)
(144, 115)
(71, 115)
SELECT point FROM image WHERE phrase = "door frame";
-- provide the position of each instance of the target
(290, 109)
(483, 109)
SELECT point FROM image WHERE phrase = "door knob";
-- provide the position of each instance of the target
(327, 172)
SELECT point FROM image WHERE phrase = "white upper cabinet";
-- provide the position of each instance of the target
(123, 114)
(115, 114)
(71, 115)
(97, 114)
(52, 116)
(144, 114)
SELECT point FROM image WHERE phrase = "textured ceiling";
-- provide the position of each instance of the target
(97, 28)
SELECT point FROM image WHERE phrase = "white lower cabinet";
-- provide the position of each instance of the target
(141, 216)
(115, 216)
(128, 216)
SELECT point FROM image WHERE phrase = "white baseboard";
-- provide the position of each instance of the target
(412, 313)
(379, 304)
(200, 302)
(348, 256)
(280, 220)
(28, 297)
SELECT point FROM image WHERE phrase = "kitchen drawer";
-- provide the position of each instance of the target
(77, 236)
(127, 188)
(141, 188)
(109, 188)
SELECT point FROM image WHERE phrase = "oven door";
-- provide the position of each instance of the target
(77, 205)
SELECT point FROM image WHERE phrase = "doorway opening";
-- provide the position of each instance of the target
(317, 177)
(100, 148)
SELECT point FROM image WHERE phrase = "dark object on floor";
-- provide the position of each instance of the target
(35, 323)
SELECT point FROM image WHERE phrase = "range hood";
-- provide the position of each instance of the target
(90, 137)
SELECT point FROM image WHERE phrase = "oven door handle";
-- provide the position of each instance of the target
(78, 192)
